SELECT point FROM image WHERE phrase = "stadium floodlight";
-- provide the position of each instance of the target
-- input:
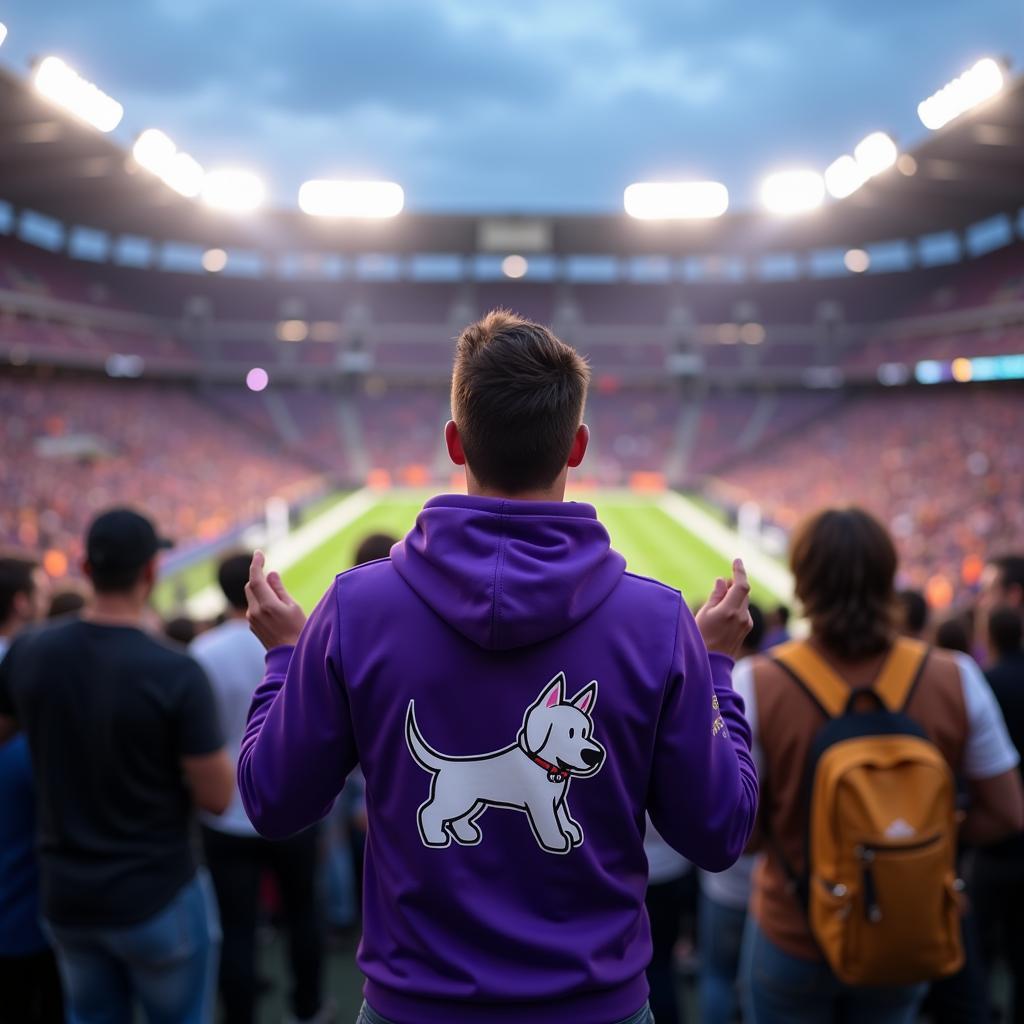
(790, 192)
(155, 151)
(676, 200)
(875, 153)
(3, 33)
(235, 191)
(184, 175)
(371, 200)
(978, 83)
(514, 266)
(64, 86)
(843, 177)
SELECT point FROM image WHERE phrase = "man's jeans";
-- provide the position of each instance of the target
(167, 964)
(781, 989)
(367, 1015)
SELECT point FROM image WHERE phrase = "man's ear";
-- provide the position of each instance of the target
(579, 446)
(149, 574)
(454, 443)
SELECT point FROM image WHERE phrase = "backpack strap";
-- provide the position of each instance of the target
(900, 672)
(814, 676)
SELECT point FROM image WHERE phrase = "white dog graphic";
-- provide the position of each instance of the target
(532, 775)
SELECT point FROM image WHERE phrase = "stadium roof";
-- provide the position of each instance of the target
(50, 163)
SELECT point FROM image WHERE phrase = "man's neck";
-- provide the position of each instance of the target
(234, 615)
(555, 493)
(115, 610)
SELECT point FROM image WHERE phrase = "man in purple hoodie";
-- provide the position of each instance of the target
(516, 700)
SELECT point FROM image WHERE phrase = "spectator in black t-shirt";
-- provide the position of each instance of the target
(999, 869)
(124, 740)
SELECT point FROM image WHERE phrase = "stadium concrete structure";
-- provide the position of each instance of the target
(740, 356)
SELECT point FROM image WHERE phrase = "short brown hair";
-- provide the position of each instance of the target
(844, 566)
(517, 397)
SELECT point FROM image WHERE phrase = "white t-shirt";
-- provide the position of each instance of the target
(663, 863)
(988, 752)
(233, 659)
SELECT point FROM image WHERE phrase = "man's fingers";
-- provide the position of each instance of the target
(740, 587)
(718, 591)
(257, 589)
(277, 586)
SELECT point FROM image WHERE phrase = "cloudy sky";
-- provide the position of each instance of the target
(517, 104)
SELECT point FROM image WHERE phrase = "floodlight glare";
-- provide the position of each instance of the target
(676, 200)
(3, 33)
(875, 154)
(65, 87)
(843, 177)
(974, 86)
(362, 199)
(184, 175)
(789, 192)
(235, 191)
(155, 151)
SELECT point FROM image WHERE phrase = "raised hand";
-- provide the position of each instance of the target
(273, 616)
(724, 620)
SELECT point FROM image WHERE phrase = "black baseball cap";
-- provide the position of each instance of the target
(121, 538)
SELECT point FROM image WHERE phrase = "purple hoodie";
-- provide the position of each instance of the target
(516, 700)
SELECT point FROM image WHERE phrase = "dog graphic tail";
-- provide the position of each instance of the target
(418, 746)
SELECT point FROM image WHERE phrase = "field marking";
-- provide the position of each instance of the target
(727, 542)
(283, 554)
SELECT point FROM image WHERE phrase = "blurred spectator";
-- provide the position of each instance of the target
(952, 635)
(724, 898)
(912, 609)
(70, 598)
(30, 991)
(133, 920)
(844, 566)
(237, 856)
(667, 874)
(999, 868)
(776, 626)
(345, 828)
(1002, 584)
(374, 546)
(182, 630)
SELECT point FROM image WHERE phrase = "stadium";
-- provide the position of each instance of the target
(254, 375)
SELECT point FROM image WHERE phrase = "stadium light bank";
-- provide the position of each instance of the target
(63, 86)
(871, 156)
(3, 33)
(676, 200)
(367, 200)
(233, 190)
(158, 154)
(793, 192)
(978, 83)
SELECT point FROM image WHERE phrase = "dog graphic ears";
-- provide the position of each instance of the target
(554, 693)
(586, 698)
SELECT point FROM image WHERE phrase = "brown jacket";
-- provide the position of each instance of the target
(787, 721)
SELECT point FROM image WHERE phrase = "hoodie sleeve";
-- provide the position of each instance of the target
(298, 745)
(703, 791)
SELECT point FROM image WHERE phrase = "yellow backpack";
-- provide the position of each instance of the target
(880, 889)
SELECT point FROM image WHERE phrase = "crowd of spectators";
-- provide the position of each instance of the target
(73, 447)
(943, 470)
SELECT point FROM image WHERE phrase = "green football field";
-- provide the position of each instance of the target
(653, 544)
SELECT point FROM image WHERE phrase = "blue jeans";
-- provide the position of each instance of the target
(367, 1015)
(781, 989)
(168, 963)
(721, 938)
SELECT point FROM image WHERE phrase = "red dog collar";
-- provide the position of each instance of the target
(555, 774)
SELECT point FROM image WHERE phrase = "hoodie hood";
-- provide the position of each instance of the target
(506, 573)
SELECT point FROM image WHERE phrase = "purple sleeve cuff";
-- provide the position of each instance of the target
(278, 659)
(721, 668)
